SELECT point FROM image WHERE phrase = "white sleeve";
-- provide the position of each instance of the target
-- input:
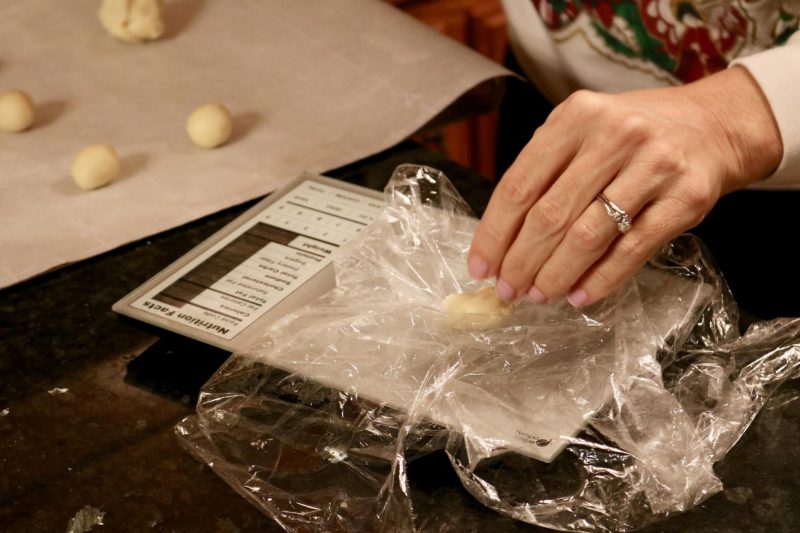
(777, 72)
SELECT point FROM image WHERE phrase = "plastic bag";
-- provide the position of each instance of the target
(604, 419)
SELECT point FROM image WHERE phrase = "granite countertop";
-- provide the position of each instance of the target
(88, 402)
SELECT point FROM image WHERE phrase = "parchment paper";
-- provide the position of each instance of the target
(312, 85)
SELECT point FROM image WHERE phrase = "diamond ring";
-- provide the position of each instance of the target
(619, 216)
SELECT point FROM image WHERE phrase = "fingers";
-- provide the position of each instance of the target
(555, 215)
(522, 185)
(655, 225)
(590, 235)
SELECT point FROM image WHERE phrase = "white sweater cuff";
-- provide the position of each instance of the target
(777, 72)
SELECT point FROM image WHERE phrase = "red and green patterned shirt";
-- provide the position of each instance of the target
(686, 38)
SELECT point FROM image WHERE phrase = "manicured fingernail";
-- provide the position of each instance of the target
(478, 268)
(537, 296)
(505, 291)
(578, 298)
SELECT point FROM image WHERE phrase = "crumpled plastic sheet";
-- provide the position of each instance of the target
(602, 419)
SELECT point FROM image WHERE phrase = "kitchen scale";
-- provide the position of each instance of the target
(277, 256)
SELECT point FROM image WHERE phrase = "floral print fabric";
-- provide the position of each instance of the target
(685, 39)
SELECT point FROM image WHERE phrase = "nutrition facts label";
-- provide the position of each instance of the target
(240, 278)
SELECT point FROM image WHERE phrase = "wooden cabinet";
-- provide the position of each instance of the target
(481, 25)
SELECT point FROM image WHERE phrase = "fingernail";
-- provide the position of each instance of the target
(478, 268)
(537, 296)
(578, 298)
(505, 291)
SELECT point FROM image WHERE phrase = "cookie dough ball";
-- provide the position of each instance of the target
(210, 125)
(477, 310)
(17, 112)
(132, 21)
(95, 166)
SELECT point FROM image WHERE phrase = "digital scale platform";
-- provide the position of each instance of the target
(277, 256)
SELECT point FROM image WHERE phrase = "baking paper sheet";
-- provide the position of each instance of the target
(312, 85)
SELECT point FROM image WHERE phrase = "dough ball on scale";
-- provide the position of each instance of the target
(477, 310)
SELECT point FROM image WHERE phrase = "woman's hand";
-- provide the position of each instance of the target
(664, 156)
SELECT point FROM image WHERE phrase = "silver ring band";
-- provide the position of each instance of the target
(619, 216)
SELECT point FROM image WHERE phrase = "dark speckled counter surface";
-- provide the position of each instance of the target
(88, 402)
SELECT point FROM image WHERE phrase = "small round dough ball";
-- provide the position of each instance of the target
(95, 166)
(210, 125)
(17, 112)
(132, 21)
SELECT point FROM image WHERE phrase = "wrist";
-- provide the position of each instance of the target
(742, 113)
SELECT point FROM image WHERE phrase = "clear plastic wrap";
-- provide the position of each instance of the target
(604, 419)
